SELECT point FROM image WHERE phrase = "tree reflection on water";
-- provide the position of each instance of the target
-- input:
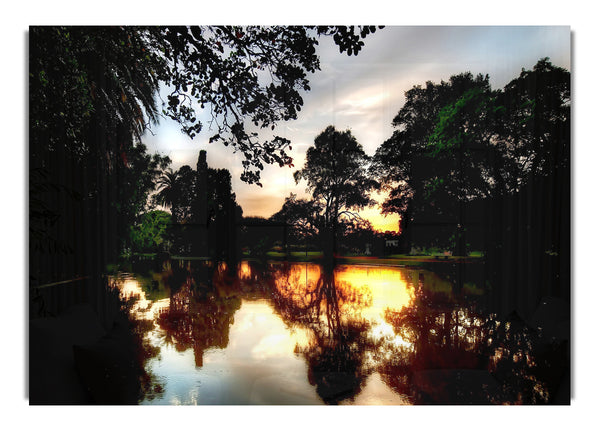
(425, 340)
(331, 310)
(200, 310)
(508, 359)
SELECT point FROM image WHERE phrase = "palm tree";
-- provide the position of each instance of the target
(168, 192)
(125, 75)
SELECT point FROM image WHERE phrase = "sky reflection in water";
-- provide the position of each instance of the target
(296, 334)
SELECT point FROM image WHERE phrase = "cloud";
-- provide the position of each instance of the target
(365, 92)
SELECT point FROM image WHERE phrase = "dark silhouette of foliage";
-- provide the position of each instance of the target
(536, 120)
(303, 217)
(245, 73)
(459, 141)
(91, 96)
(336, 173)
(305, 224)
(204, 211)
(185, 196)
(259, 235)
(355, 234)
(239, 73)
(78, 73)
(94, 92)
(405, 161)
(519, 131)
(168, 191)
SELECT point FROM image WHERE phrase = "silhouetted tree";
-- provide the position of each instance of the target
(223, 215)
(407, 163)
(80, 73)
(253, 73)
(167, 190)
(356, 233)
(336, 173)
(535, 120)
(93, 93)
(496, 160)
(302, 216)
(76, 71)
(503, 136)
(536, 124)
(186, 194)
(204, 212)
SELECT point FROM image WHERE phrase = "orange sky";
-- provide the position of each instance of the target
(265, 206)
(265, 201)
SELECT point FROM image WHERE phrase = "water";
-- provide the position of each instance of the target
(279, 333)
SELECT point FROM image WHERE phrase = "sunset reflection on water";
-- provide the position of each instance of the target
(362, 292)
(260, 330)
(295, 333)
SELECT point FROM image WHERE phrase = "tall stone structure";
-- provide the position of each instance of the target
(201, 205)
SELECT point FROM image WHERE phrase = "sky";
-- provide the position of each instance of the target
(363, 93)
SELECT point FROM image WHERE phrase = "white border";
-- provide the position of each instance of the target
(578, 14)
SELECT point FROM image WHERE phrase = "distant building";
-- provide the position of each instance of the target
(392, 242)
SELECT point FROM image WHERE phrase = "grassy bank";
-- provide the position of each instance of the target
(314, 256)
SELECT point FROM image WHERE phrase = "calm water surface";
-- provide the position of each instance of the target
(279, 333)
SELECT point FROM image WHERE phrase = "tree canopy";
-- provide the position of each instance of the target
(246, 78)
(459, 141)
(462, 140)
(150, 233)
(94, 91)
(303, 215)
(336, 174)
(411, 167)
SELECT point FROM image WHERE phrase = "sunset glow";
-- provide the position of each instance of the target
(206, 215)
(369, 292)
